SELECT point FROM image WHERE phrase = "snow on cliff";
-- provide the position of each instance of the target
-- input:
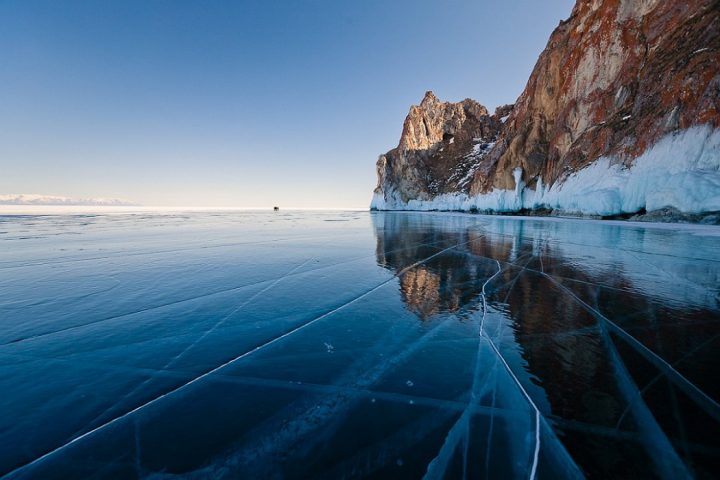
(682, 170)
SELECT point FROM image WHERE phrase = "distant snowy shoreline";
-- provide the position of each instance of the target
(53, 200)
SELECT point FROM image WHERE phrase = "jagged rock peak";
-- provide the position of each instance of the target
(433, 121)
(429, 99)
(440, 143)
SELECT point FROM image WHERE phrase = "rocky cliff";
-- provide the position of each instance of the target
(620, 114)
(440, 148)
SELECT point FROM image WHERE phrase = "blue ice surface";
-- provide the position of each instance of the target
(236, 344)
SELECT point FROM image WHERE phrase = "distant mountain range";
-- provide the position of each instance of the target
(34, 199)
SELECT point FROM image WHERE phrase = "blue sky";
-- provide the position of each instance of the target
(241, 103)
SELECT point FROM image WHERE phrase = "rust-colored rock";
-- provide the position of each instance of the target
(613, 79)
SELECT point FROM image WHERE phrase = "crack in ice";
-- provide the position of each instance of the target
(187, 299)
(460, 429)
(708, 404)
(224, 365)
(168, 365)
(484, 296)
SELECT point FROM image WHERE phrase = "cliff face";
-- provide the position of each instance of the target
(615, 80)
(440, 146)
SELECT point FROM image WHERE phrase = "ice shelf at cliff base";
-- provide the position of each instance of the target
(682, 171)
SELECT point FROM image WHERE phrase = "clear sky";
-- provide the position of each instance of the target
(246, 103)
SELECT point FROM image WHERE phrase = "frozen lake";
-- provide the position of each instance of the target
(357, 344)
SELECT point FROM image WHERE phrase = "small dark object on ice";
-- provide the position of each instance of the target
(275, 209)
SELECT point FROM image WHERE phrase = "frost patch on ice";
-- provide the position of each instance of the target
(682, 170)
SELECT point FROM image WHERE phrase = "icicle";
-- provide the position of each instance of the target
(517, 175)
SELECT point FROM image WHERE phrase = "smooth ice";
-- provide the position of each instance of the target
(352, 344)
